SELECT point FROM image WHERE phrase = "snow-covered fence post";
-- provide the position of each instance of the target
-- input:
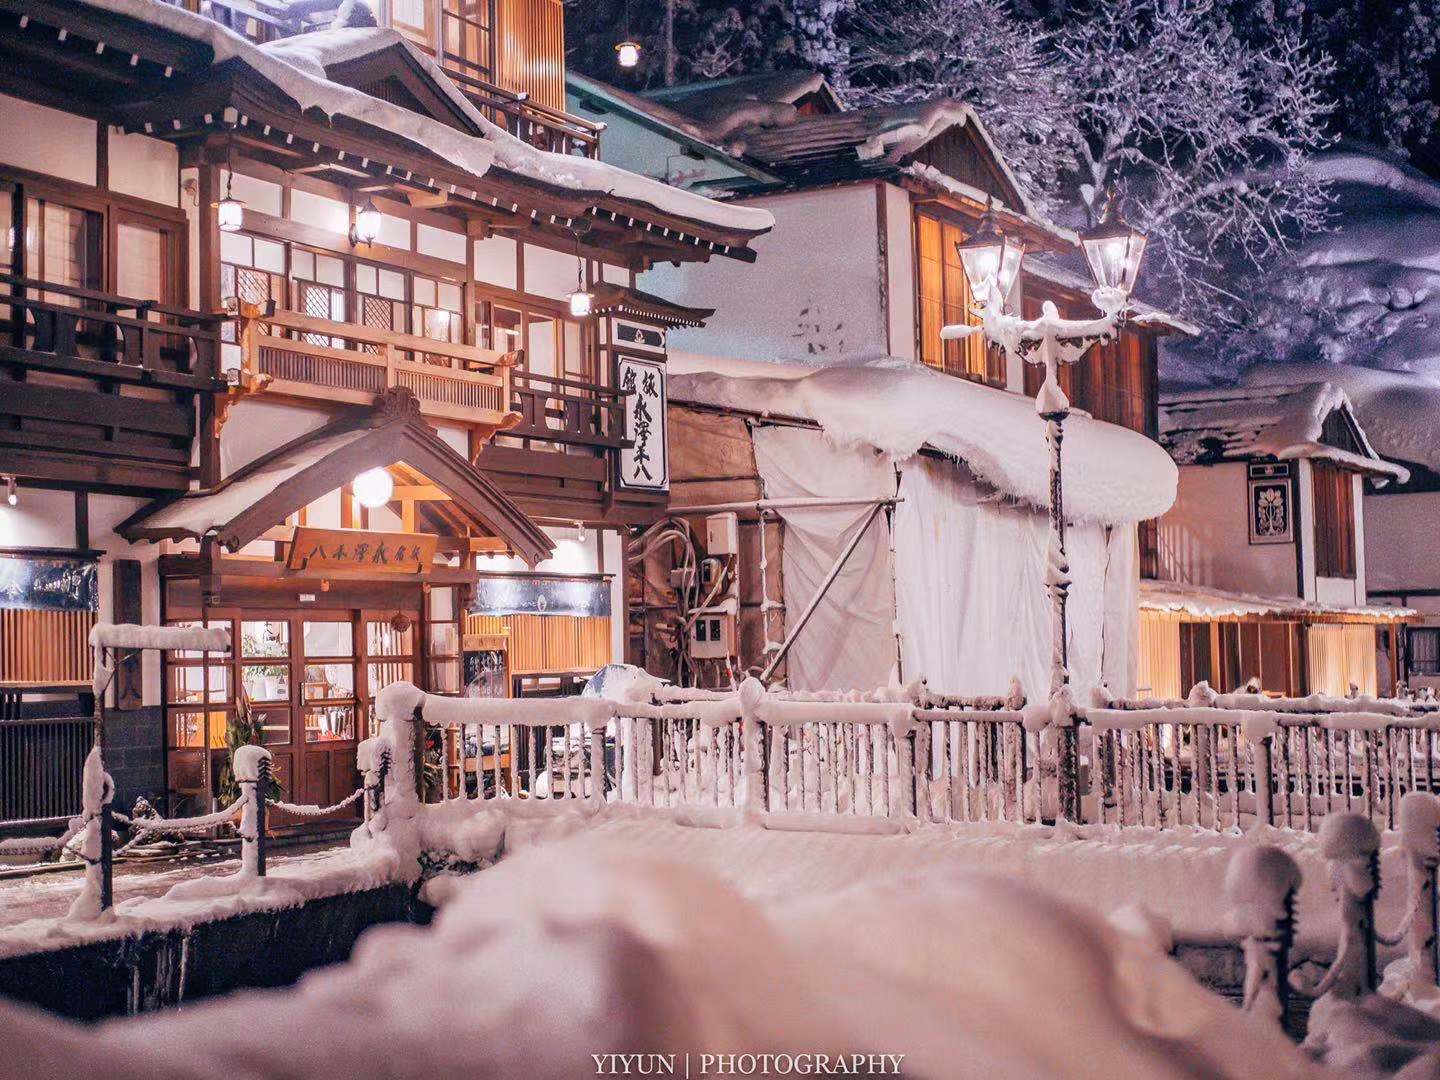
(1351, 844)
(1264, 801)
(755, 794)
(902, 734)
(417, 734)
(1420, 839)
(252, 773)
(1260, 885)
(373, 759)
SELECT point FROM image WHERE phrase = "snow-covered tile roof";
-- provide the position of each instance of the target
(297, 68)
(1283, 422)
(1205, 602)
(1112, 474)
(722, 106)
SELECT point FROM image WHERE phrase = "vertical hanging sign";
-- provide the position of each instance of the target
(645, 462)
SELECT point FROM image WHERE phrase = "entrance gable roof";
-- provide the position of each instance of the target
(268, 490)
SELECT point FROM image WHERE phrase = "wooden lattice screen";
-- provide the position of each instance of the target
(549, 643)
(44, 646)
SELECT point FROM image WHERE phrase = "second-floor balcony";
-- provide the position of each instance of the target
(302, 357)
(507, 58)
(99, 389)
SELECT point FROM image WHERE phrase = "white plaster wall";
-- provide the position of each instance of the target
(813, 292)
(261, 195)
(317, 210)
(1343, 591)
(144, 167)
(257, 427)
(47, 141)
(900, 262)
(43, 518)
(1400, 536)
(440, 243)
(395, 232)
(496, 262)
(549, 273)
(1306, 526)
(1204, 539)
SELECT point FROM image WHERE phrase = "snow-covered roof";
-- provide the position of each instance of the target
(1398, 408)
(1283, 422)
(721, 107)
(1112, 474)
(1202, 601)
(296, 67)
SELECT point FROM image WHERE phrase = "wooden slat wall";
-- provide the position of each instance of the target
(547, 643)
(530, 49)
(45, 646)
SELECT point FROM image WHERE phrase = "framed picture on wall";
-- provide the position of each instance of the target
(1272, 511)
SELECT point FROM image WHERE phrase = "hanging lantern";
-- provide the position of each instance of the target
(991, 259)
(582, 303)
(373, 488)
(627, 54)
(1113, 249)
(367, 224)
(229, 212)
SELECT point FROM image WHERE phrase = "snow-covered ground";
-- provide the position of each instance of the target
(32, 910)
(586, 945)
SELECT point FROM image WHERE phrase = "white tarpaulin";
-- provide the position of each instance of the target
(971, 597)
(850, 640)
(969, 591)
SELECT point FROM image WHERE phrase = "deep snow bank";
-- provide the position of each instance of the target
(573, 949)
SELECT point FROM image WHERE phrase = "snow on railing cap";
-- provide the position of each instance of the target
(1420, 824)
(1202, 695)
(1348, 836)
(397, 701)
(247, 762)
(133, 636)
(1257, 880)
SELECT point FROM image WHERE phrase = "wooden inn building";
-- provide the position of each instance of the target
(361, 418)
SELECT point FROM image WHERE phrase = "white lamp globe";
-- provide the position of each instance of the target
(373, 488)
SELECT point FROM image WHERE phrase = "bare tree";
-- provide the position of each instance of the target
(978, 52)
(1206, 136)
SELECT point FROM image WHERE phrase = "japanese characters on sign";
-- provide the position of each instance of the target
(645, 463)
(316, 550)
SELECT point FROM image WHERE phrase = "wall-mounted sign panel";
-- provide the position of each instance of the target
(645, 463)
(320, 550)
(47, 584)
(635, 336)
(532, 594)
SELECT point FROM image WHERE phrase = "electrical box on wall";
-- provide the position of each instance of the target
(722, 534)
(712, 634)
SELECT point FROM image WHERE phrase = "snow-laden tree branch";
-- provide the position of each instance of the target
(978, 52)
(1205, 133)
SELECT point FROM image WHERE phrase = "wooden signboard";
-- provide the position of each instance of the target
(328, 550)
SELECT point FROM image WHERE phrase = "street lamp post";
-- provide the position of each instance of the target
(991, 261)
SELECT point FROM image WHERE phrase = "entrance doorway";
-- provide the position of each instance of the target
(309, 679)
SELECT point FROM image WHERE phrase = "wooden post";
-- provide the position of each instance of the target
(1420, 839)
(1351, 843)
(418, 749)
(1264, 804)
(261, 787)
(1260, 886)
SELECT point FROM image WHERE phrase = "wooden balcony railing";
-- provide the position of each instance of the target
(568, 411)
(305, 357)
(101, 388)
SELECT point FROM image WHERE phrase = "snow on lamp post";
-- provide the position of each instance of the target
(991, 261)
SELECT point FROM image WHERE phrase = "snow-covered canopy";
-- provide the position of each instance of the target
(297, 68)
(1284, 422)
(1207, 603)
(1112, 475)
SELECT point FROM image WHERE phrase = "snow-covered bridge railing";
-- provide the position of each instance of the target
(1229, 760)
(843, 754)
